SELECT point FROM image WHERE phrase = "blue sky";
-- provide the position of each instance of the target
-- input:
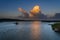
(10, 7)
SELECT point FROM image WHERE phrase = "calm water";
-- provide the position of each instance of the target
(27, 31)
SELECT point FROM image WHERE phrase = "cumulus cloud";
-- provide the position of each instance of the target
(36, 9)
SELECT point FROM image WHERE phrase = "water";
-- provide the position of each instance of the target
(35, 30)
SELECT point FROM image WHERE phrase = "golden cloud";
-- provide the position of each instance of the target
(36, 9)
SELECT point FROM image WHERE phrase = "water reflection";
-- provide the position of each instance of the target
(35, 30)
(27, 31)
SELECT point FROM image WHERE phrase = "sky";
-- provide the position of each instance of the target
(9, 8)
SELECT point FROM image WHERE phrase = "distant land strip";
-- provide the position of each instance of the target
(45, 20)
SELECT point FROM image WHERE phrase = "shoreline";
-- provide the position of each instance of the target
(9, 20)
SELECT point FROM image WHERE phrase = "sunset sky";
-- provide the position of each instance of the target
(10, 7)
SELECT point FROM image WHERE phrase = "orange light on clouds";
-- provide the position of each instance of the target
(36, 9)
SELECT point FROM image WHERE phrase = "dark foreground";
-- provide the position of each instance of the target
(35, 30)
